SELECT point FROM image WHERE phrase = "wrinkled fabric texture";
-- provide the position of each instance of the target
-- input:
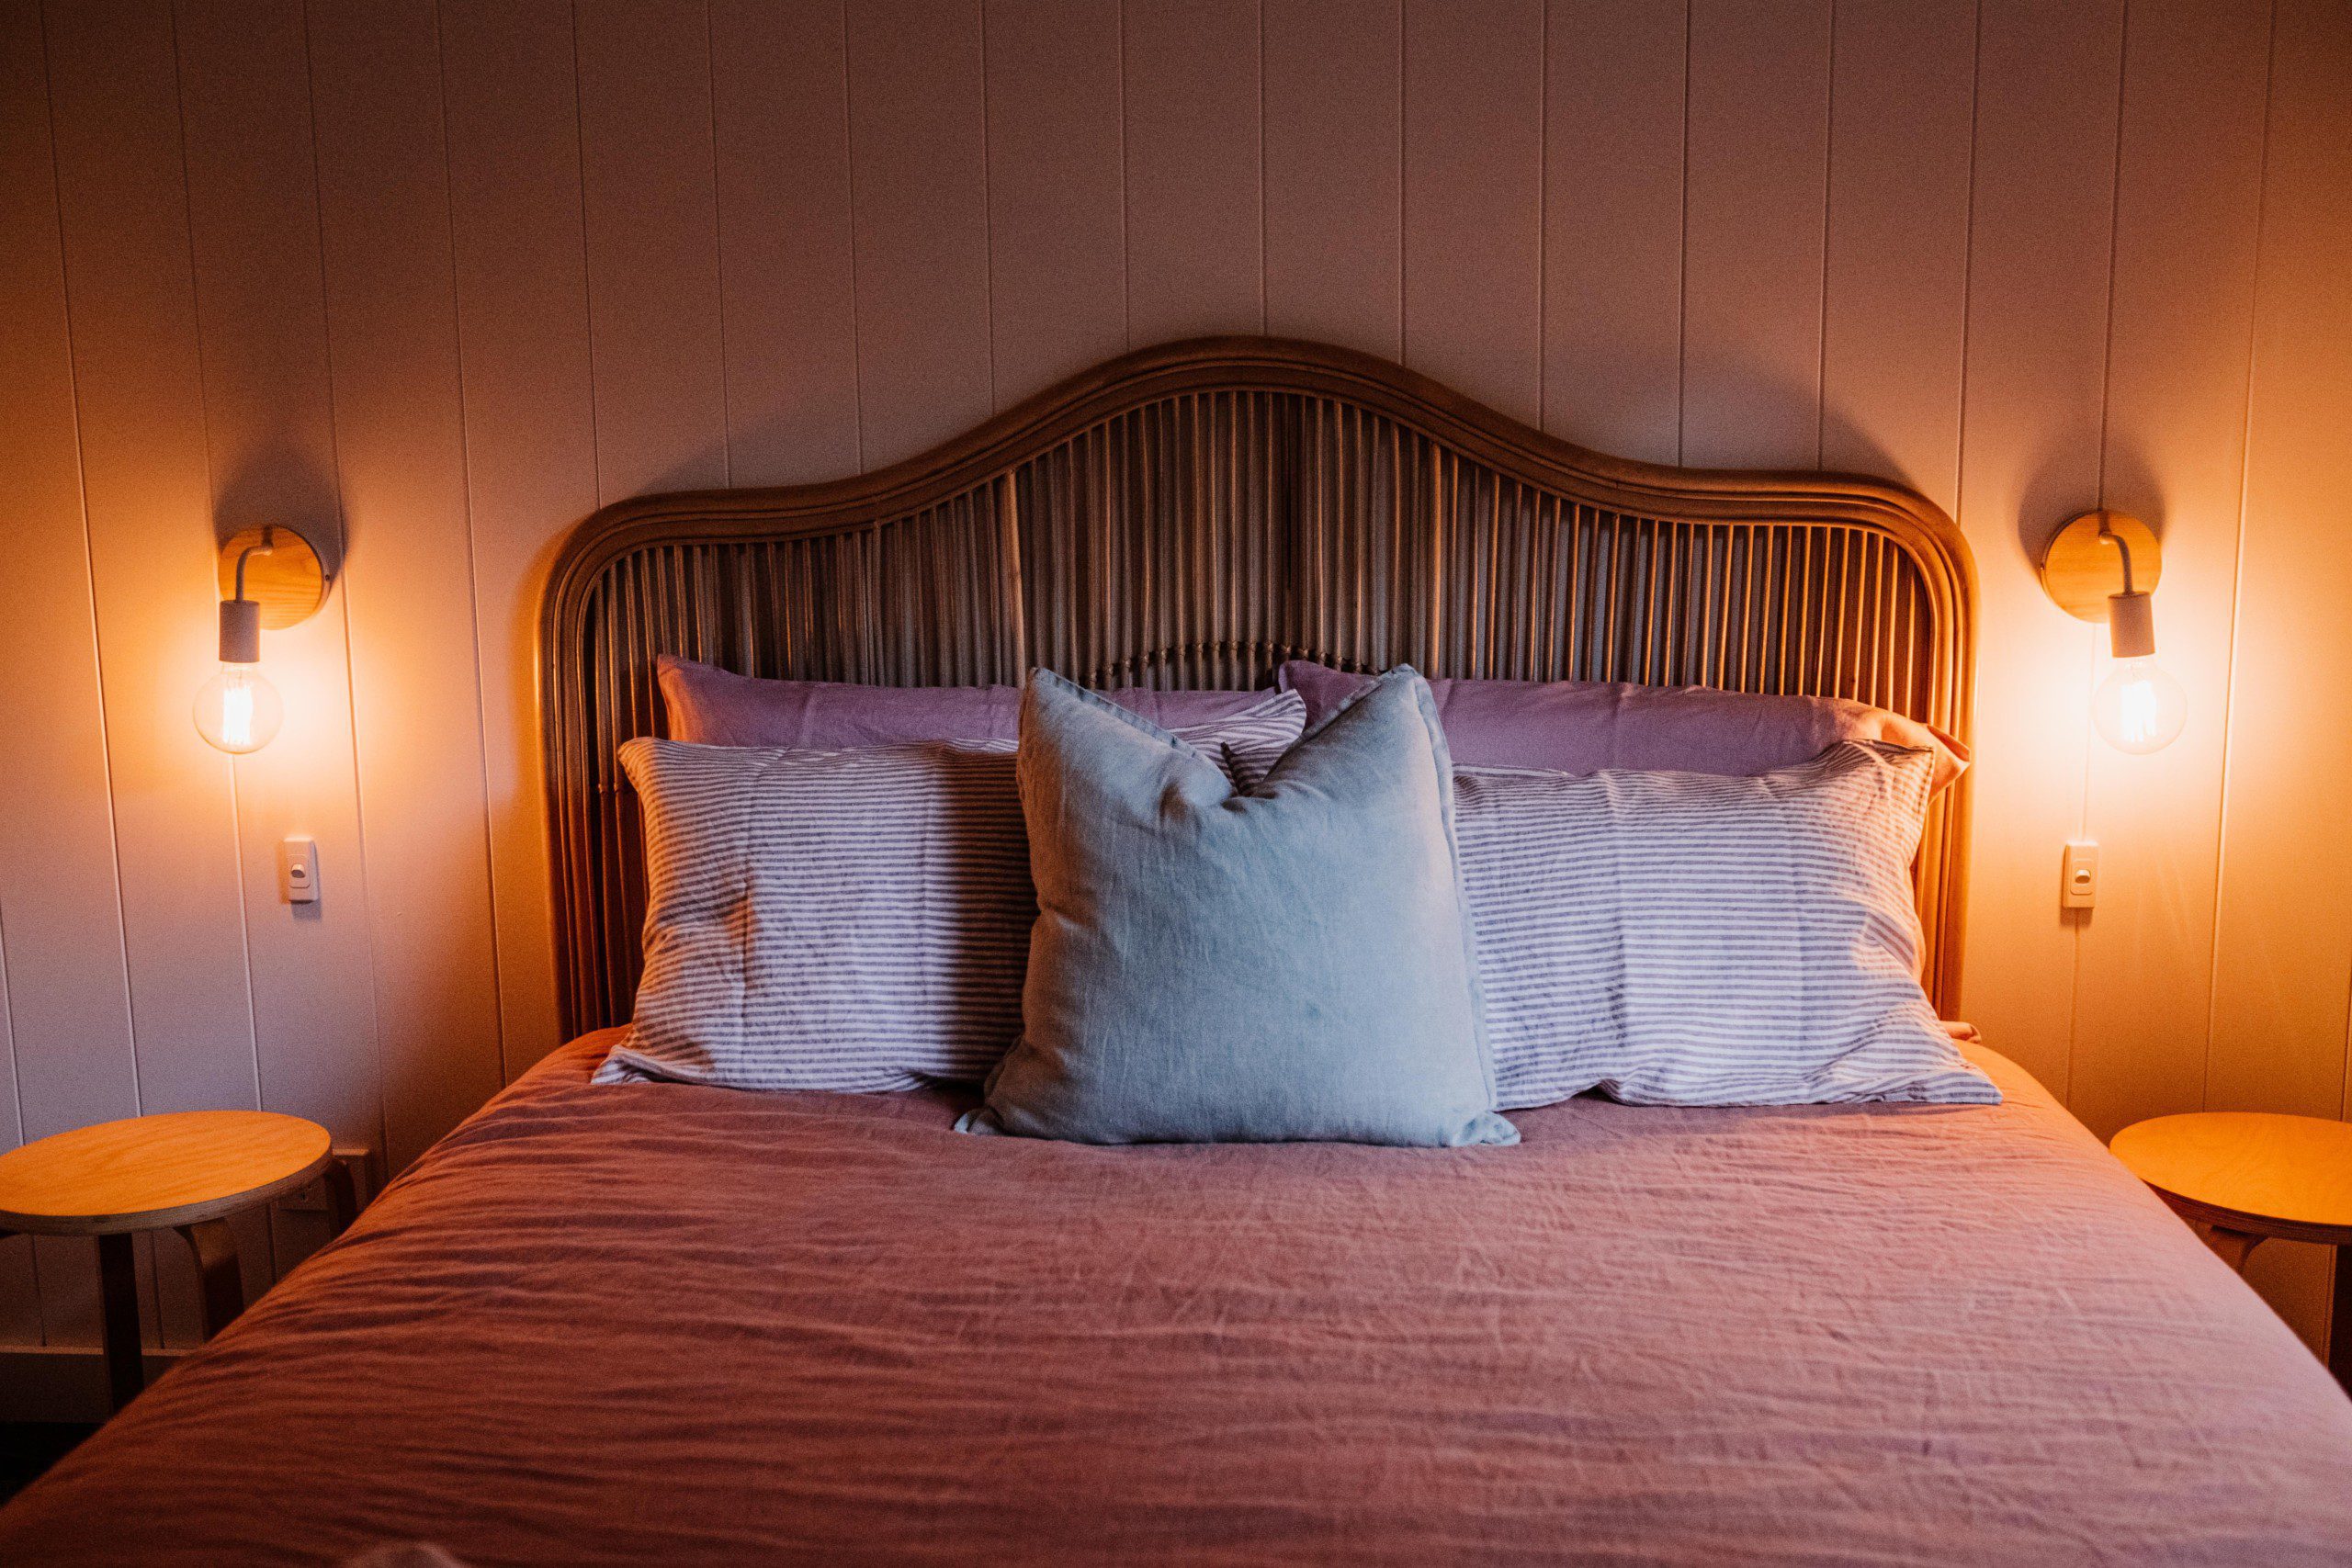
(412, 1554)
(1582, 726)
(711, 706)
(1208, 965)
(854, 919)
(1691, 939)
(672, 1324)
(848, 919)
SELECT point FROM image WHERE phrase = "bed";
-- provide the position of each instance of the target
(658, 1323)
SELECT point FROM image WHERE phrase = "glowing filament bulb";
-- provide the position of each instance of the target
(238, 710)
(2138, 707)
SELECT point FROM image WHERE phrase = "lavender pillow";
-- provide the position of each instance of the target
(1583, 727)
(709, 706)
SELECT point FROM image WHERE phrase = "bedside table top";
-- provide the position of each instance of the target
(2269, 1175)
(148, 1172)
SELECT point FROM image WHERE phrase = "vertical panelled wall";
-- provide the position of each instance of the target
(436, 279)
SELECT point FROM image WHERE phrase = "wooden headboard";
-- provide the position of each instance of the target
(1196, 513)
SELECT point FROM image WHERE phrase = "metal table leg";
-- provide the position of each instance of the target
(118, 1294)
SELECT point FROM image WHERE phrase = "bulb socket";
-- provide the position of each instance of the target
(2130, 625)
(240, 631)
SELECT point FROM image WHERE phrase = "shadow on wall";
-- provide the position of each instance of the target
(277, 482)
(1841, 435)
(2131, 473)
(2057, 488)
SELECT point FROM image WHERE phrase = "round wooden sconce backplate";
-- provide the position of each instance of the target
(289, 582)
(2081, 570)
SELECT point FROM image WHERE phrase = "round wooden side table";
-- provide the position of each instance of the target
(186, 1171)
(2241, 1177)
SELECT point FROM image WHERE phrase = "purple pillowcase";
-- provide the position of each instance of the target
(1583, 727)
(709, 706)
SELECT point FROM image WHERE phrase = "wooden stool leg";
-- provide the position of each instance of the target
(119, 1297)
(343, 1196)
(2232, 1246)
(215, 1246)
(2339, 1324)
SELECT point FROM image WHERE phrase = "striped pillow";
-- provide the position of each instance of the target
(1685, 939)
(852, 919)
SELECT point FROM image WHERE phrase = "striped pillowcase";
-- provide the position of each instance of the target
(1272, 726)
(1684, 939)
(854, 919)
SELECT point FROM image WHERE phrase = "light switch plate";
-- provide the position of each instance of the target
(2078, 882)
(298, 870)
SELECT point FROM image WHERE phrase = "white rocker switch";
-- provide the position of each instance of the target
(2079, 887)
(298, 870)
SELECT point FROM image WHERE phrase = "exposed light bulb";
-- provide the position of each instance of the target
(238, 710)
(2138, 707)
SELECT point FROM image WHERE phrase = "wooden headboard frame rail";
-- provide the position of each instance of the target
(1193, 514)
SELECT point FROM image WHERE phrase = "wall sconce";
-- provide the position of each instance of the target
(270, 577)
(2102, 566)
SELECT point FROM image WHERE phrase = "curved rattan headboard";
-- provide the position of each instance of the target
(1194, 514)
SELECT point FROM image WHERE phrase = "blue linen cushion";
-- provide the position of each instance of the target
(1288, 961)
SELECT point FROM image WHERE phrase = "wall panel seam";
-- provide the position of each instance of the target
(1682, 245)
(1404, 191)
(204, 423)
(718, 261)
(360, 829)
(587, 274)
(342, 600)
(16, 1105)
(16, 1108)
(1828, 190)
(1126, 225)
(2237, 556)
(2106, 402)
(987, 207)
(849, 185)
(2114, 236)
(1967, 256)
(473, 604)
(1543, 208)
(89, 574)
(1262, 166)
(8, 1032)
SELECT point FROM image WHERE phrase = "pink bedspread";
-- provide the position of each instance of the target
(649, 1324)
